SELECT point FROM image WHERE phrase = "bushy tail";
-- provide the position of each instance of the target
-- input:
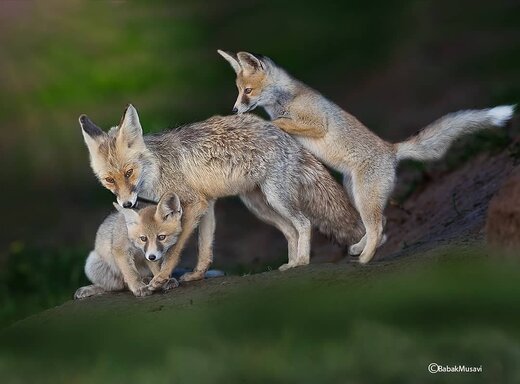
(326, 204)
(432, 142)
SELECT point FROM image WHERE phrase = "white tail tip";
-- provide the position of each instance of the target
(502, 114)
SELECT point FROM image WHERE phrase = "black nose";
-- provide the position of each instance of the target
(151, 257)
(234, 110)
(127, 204)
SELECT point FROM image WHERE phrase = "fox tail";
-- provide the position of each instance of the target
(432, 142)
(326, 203)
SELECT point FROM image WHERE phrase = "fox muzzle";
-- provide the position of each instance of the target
(128, 202)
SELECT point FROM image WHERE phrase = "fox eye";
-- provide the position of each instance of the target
(247, 91)
(110, 180)
(129, 173)
(161, 237)
(143, 239)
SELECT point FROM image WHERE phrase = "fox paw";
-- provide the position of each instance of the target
(171, 284)
(142, 291)
(287, 266)
(192, 276)
(87, 291)
(158, 282)
(365, 259)
(356, 249)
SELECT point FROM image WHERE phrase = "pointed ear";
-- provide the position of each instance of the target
(92, 134)
(250, 62)
(130, 127)
(169, 207)
(131, 216)
(230, 58)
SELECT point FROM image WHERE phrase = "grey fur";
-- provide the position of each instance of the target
(235, 155)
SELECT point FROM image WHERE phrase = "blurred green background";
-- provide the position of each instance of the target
(396, 65)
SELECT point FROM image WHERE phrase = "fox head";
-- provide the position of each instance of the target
(255, 81)
(154, 229)
(118, 158)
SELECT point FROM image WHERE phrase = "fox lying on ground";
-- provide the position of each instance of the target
(367, 162)
(129, 247)
(278, 180)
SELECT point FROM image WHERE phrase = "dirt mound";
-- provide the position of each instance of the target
(503, 219)
(450, 208)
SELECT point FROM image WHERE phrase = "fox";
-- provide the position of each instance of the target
(129, 248)
(367, 162)
(239, 155)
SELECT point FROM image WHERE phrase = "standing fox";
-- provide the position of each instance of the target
(278, 180)
(129, 247)
(367, 162)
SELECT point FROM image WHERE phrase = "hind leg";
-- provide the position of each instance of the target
(100, 273)
(104, 277)
(257, 204)
(303, 257)
(356, 249)
(348, 184)
(281, 202)
(371, 191)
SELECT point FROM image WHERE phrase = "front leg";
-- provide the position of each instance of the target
(191, 216)
(206, 234)
(301, 127)
(131, 276)
(155, 268)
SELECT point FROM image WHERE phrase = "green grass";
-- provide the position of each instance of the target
(370, 328)
(32, 280)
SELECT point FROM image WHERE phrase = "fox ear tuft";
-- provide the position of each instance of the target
(231, 59)
(130, 128)
(92, 134)
(89, 127)
(250, 62)
(169, 207)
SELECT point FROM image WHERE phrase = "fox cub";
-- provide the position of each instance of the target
(129, 248)
(367, 162)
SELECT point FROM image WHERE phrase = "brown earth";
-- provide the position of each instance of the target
(450, 208)
(503, 219)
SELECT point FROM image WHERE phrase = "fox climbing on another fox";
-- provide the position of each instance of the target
(367, 162)
(278, 180)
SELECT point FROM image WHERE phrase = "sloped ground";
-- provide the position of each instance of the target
(325, 323)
